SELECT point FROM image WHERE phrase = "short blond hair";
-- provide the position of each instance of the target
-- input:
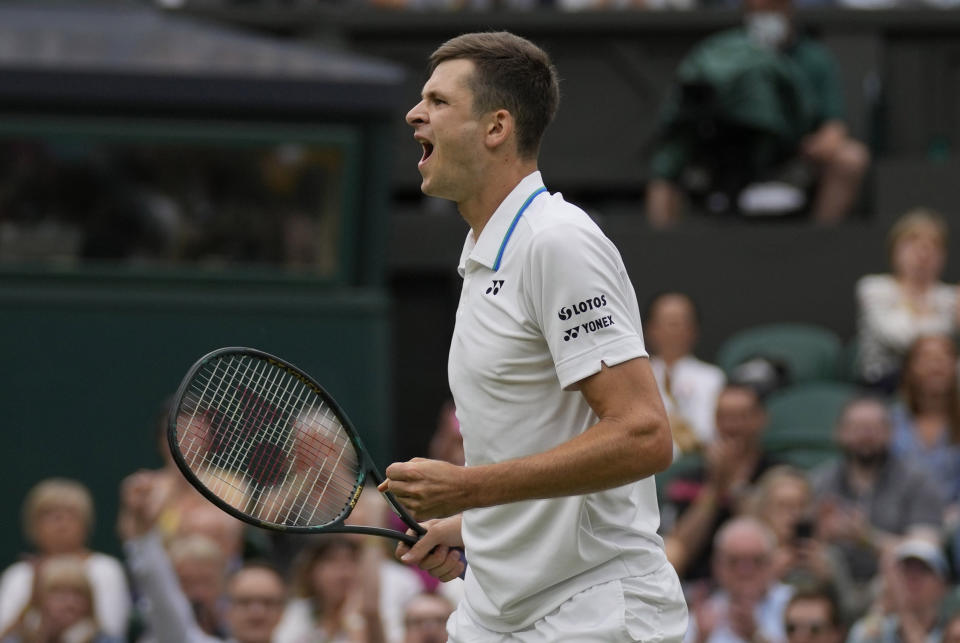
(66, 571)
(760, 494)
(57, 493)
(916, 219)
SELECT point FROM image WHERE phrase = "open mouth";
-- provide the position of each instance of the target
(427, 151)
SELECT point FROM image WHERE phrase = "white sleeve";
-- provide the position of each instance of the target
(583, 301)
(16, 584)
(111, 593)
(168, 614)
(882, 318)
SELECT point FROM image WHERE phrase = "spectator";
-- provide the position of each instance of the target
(759, 107)
(748, 604)
(217, 526)
(337, 596)
(425, 619)
(689, 387)
(57, 519)
(201, 568)
(894, 309)
(869, 499)
(813, 616)
(180, 595)
(63, 608)
(698, 503)
(783, 499)
(915, 585)
(926, 417)
(256, 595)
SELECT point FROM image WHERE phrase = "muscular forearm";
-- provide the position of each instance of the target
(610, 454)
(630, 441)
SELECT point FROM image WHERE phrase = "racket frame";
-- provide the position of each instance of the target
(367, 465)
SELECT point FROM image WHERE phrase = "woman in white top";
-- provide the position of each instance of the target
(58, 517)
(894, 309)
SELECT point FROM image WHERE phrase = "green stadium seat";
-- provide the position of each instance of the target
(809, 351)
(807, 458)
(850, 361)
(802, 420)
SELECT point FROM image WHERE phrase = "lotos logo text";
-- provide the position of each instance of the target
(591, 303)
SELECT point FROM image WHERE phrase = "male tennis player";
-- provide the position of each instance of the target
(562, 422)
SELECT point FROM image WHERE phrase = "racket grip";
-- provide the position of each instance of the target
(463, 557)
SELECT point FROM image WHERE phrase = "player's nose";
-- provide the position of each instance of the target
(417, 115)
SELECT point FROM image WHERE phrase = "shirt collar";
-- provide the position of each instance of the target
(486, 249)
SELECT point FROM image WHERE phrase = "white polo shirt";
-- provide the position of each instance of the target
(546, 299)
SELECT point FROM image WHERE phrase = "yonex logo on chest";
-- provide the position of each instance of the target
(495, 288)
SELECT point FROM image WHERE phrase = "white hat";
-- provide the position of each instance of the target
(926, 552)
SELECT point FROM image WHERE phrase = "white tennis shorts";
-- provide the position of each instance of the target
(648, 608)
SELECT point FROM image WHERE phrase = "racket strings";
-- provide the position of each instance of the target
(240, 455)
(334, 434)
(259, 438)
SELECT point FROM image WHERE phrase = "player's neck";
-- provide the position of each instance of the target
(498, 183)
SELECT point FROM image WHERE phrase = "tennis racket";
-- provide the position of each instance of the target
(264, 442)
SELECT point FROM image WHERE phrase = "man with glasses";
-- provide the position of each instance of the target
(256, 596)
(425, 619)
(813, 616)
(748, 604)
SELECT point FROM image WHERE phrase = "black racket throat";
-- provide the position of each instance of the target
(264, 442)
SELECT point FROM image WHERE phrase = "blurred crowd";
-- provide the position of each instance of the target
(192, 573)
(861, 541)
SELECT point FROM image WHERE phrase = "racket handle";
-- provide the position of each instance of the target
(463, 557)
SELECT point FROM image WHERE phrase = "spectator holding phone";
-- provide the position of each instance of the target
(783, 499)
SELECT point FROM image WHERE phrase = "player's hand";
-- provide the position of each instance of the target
(436, 551)
(428, 488)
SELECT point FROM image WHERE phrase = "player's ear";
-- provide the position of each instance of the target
(500, 128)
